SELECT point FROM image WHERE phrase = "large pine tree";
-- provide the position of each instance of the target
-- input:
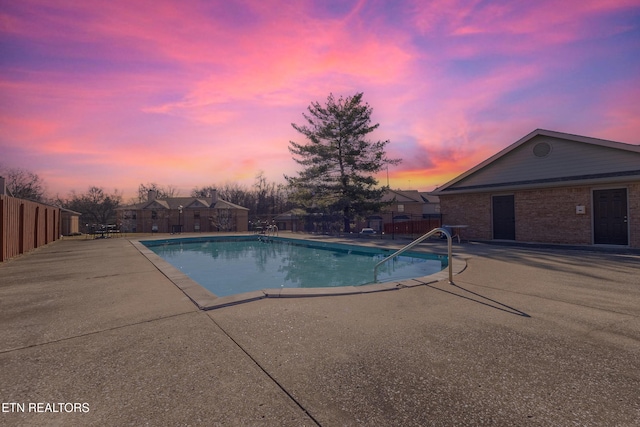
(339, 162)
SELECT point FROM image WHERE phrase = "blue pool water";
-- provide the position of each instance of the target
(229, 266)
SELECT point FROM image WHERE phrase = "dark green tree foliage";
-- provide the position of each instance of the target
(339, 162)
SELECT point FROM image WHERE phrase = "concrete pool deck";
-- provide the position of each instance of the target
(525, 336)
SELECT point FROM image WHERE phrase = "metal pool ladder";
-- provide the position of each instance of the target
(414, 243)
(271, 230)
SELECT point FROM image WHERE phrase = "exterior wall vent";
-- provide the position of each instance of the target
(541, 149)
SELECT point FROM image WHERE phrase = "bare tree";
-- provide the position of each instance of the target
(96, 206)
(263, 199)
(162, 192)
(231, 192)
(271, 198)
(24, 184)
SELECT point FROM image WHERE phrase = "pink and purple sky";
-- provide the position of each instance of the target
(194, 93)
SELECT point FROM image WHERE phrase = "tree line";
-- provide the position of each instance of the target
(264, 199)
(337, 177)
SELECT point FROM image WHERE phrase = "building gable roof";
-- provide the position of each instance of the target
(186, 203)
(295, 213)
(429, 198)
(223, 204)
(197, 203)
(549, 158)
(402, 196)
(156, 204)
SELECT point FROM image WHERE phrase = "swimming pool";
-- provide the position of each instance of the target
(238, 264)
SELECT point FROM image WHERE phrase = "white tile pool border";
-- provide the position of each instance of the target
(206, 300)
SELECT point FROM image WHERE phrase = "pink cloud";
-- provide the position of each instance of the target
(202, 92)
(548, 21)
(621, 112)
(281, 59)
(550, 32)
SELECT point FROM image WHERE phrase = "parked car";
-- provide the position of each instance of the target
(367, 231)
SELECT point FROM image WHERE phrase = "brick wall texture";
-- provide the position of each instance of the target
(542, 215)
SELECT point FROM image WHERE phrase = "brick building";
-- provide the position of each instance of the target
(550, 187)
(183, 214)
(407, 211)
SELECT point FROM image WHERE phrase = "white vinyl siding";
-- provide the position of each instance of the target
(566, 159)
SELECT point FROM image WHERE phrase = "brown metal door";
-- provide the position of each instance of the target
(504, 218)
(610, 217)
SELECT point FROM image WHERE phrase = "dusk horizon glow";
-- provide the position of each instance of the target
(197, 93)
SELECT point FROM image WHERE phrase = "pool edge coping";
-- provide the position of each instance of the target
(206, 300)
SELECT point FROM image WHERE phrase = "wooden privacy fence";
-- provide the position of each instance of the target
(26, 225)
(413, 226)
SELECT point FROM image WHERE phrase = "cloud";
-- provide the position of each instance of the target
(284, 59)
(546, 22)
(199, 92)
(621, 118)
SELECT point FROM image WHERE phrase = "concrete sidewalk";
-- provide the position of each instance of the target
(525, 337)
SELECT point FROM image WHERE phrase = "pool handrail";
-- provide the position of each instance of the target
(273, 229)
(416, 242)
